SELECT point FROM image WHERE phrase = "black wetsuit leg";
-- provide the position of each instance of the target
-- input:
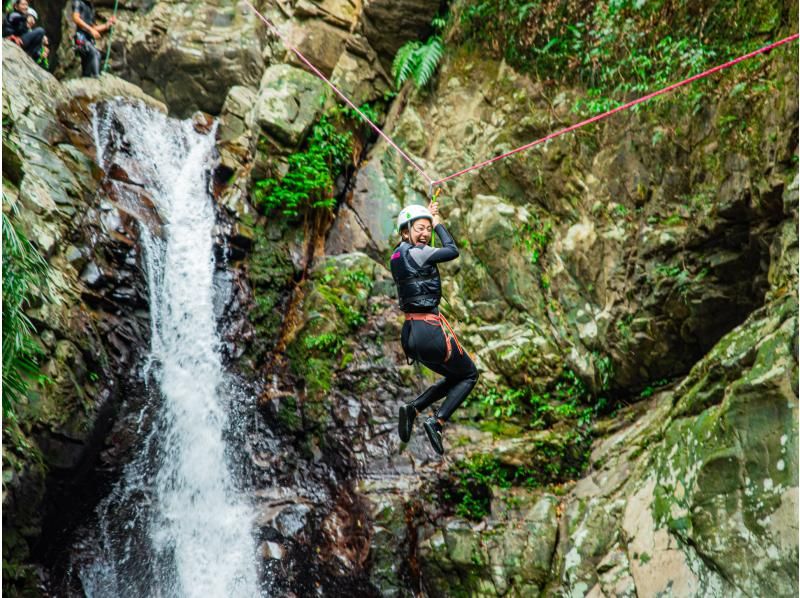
(425, 343)
(32, 42)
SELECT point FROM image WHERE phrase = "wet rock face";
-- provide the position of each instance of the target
(185, 54)
(654, 247)
(94, 323)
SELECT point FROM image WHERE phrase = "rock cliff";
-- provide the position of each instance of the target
(629, 294)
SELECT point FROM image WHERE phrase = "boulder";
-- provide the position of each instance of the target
(510, 557)
(189, 54)
(288, 104)
(234, 133)
(340, 13)
(359, 74)
(388, 24)
(87, 91)
(319, 42)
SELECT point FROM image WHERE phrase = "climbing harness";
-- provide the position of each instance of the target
(432, 183)
(110, 37)
(440, 321)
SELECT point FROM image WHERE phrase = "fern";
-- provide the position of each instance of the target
(417, 61)
(403, 64)
(429, 56)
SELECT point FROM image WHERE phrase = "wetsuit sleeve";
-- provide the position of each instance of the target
(17, 25)
(425, 254)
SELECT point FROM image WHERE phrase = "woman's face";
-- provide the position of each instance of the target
(22, 6)
(420, 231)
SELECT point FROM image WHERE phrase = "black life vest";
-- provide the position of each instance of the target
(15, 23)
(419, 288)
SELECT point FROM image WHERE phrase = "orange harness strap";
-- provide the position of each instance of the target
(440, 321)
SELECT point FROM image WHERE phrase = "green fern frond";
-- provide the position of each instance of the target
(429, 56)
(404, 62)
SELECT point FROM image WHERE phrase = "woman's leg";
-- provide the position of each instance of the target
(421, 341)
(426, 343)
(32, 42)
(462, 375)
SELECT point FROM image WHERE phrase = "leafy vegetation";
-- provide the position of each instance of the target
(418, 61)
(619, 48)
(566, 399)
(337, 307)
(309, 181)
(534, 236)
(553, 461)
(25, 276)
(271, 275)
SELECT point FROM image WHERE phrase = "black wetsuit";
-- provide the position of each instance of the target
(419, 290)
(15, 24)
(84, 41)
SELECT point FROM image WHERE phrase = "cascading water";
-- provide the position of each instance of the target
(175, 524)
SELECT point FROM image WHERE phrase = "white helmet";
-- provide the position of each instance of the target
(33, 13)
(411, 213)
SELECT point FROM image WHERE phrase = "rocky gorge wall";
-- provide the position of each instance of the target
(650, 262)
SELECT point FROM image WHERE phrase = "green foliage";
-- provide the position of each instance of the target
(337, 307)
(617, 49)
(565, 399)
(605, 368)
(327, 342)
(650, 389)
(681, 277)
(25, 276)
(309, 181)
(534, 237)
(355, 284)
(288, 416)
(553, 461)
(418, 61)
(473, 479)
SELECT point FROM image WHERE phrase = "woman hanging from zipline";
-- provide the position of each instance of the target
(427, 336)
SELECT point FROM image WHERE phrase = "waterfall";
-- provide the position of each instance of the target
(175, 523)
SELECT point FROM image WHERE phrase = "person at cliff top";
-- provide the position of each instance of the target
(44, 52)
(83, 15)
(427, 337)
(15, 28)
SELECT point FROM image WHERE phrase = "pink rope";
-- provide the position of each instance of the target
(588, 121)
(594, 119)
(317, 72)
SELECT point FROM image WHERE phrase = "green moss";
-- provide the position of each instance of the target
(271, 274)
(288, 415)
(335, 306)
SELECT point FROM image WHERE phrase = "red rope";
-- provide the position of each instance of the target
(432, 183)
(594, 119)
(317, 72)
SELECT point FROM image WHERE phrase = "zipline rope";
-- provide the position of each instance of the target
(434, 183)
(110, 36)
(317, 72)
(599, 117)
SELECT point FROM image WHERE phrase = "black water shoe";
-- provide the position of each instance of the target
(408, 414)
(434, 431)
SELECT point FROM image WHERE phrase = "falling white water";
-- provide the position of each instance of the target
(175, 524)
